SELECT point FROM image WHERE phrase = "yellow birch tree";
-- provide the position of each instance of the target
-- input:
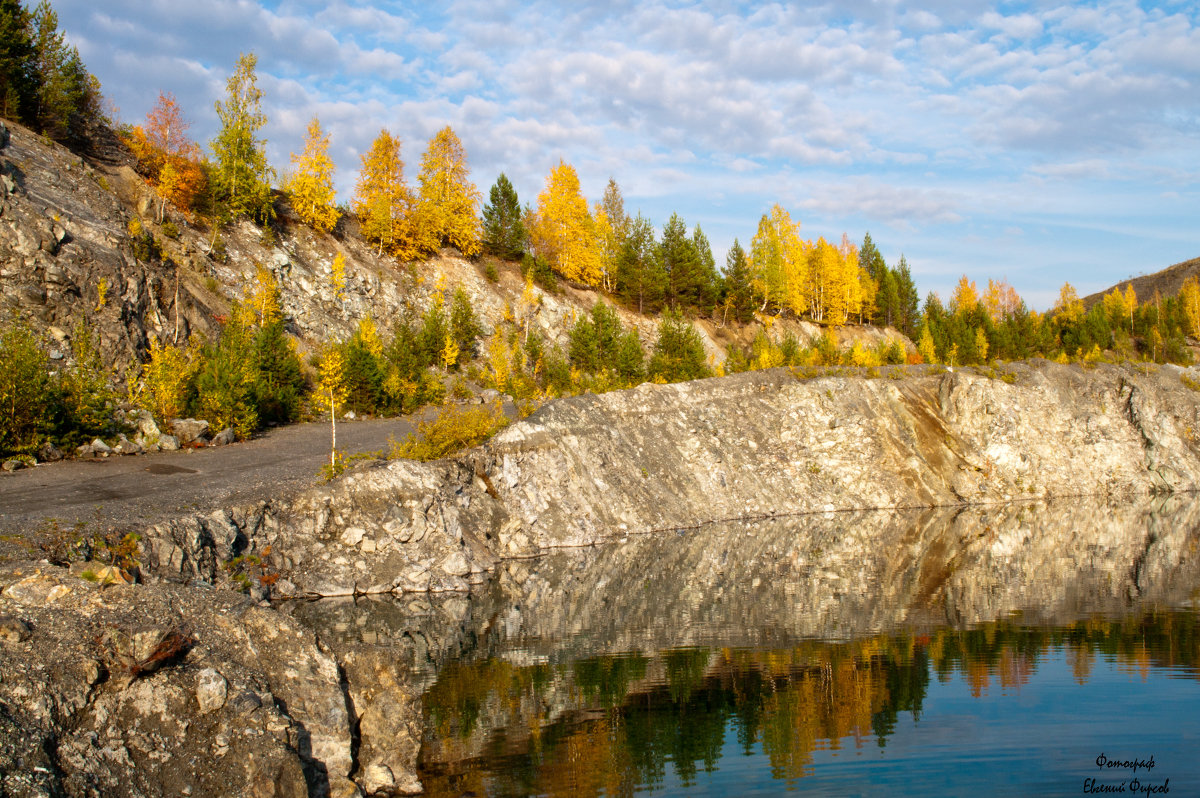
(332, 390)
(447, 209)
(563, 230)
(779, 262)
(1189, 296)
(382, 201)
(311, 185)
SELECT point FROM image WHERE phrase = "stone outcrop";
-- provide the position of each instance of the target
(163, 690)
(756, 445)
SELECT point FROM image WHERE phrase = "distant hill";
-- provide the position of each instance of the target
(1167, 282)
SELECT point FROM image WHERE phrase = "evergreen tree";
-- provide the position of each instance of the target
(503, 232)
(678, 352)
(278, 378)
(640, 279)
(680, 264)
(629, 358)
(739, 292)
(710, 280)
(907, 300)
(242, 177)
(887, 300)
(66, 97)
(18, 69)
(596, 341)
(362, 376)
(465, 329)
(870, 259)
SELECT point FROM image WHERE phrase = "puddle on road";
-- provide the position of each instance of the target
(166, 468)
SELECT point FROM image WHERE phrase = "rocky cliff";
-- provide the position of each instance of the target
(668, 457)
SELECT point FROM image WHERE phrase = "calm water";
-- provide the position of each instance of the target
(986, 653)
(1002, 708)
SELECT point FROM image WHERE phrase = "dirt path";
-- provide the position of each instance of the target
(135, 491)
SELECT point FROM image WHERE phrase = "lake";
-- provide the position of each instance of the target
(1048, 649)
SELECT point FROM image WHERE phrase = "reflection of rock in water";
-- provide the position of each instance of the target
(832, 576)
(846, 575)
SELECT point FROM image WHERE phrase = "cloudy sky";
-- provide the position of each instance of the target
(1035, 141)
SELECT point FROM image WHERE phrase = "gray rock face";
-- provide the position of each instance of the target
(763, 473)
(757, 445)
(250, 705)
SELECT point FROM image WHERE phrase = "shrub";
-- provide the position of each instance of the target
(679, 352)
(25, 386)
(141, 242)
(224, 382)
(85, 399)
(166, 379)
(465, 329)
(543, 275)
(450, 431)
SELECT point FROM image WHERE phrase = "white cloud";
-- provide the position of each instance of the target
(1017, 26)
(894, 204)
(688, 103)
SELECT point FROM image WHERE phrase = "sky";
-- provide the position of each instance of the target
(1038, 142)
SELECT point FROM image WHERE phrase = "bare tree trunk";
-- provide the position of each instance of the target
(333, 431)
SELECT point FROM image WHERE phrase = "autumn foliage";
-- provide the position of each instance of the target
(563, 231)
(311, 185)
(382, 200)
(167, 158)
(447, 202)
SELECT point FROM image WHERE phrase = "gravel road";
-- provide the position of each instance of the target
(136, 491)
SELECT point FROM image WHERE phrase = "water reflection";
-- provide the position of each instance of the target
(618, 724)
(770, 653)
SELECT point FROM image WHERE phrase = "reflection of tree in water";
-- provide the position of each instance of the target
(620, 722)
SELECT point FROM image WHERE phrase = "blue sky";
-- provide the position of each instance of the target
(1037, 141)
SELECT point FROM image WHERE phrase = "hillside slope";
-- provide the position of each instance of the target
(67, 255)
(1166, 282)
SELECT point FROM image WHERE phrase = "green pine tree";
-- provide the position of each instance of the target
(503, 231)
(678, 352)
(709, 280)
(640, 279)
(680, 264)
(18, 70)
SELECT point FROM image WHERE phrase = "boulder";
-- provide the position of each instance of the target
(224, 437)
(190, 430)
(49, 453)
